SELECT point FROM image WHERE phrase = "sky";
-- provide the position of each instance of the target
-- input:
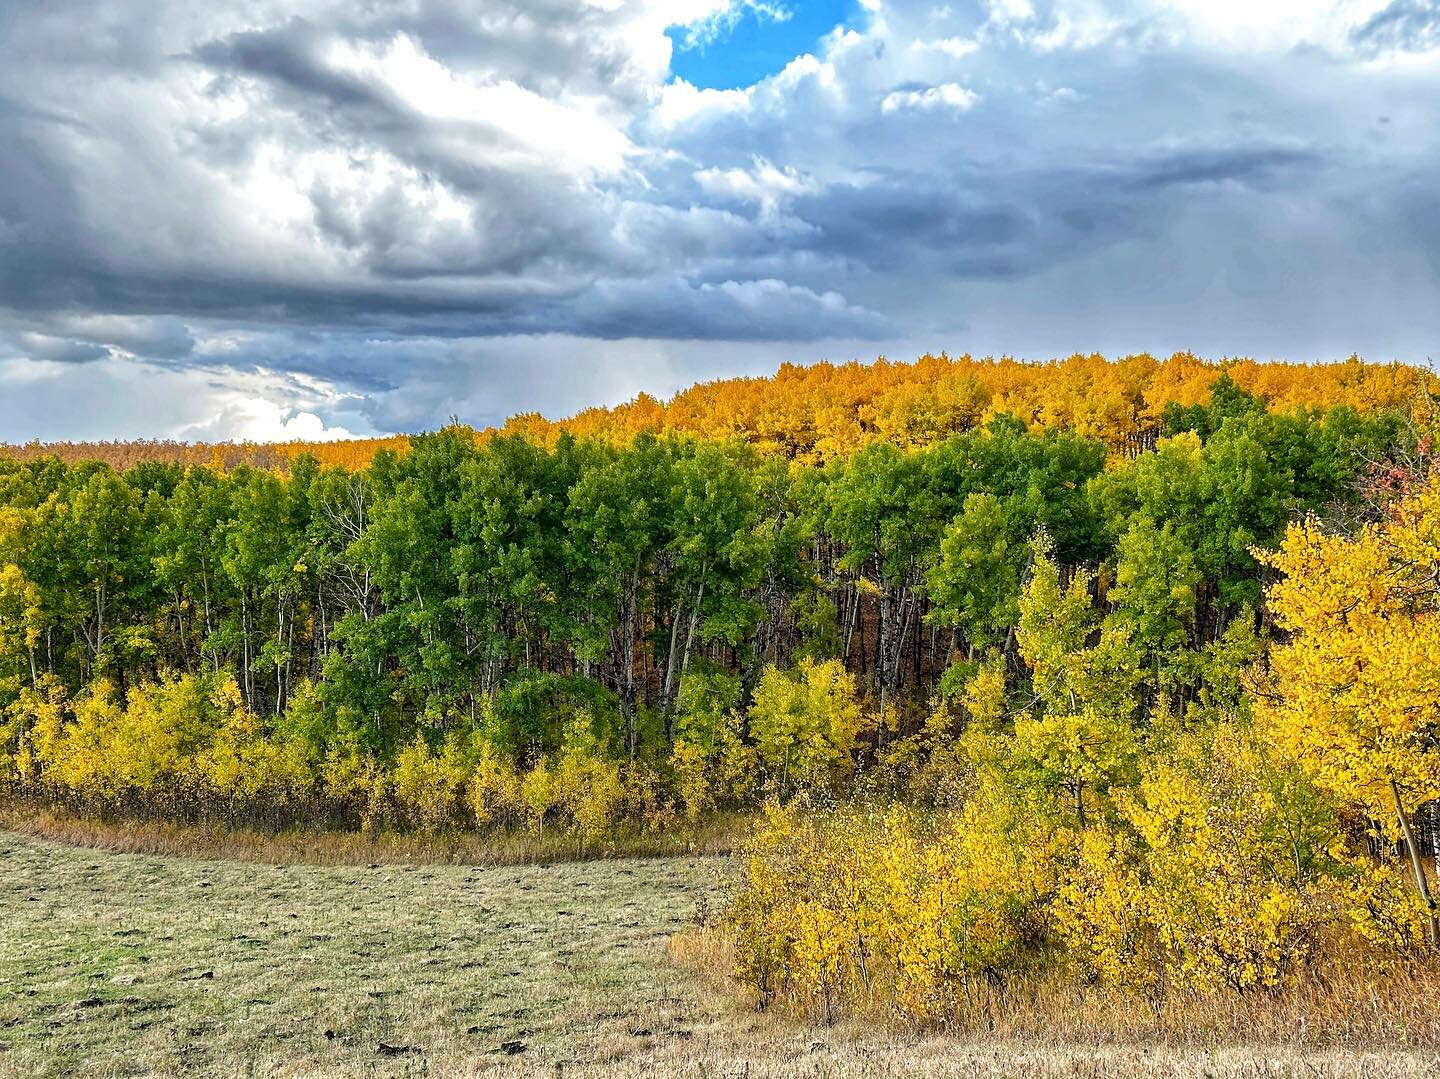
(322, 218)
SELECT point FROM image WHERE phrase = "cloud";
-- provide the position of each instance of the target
(1250, 164)
(113, 396)
(753, 310)
(948, 95)
(378, 215)
(762, 183)
(953, 47)
(255, 419)
(396, 88)
(1402, 25)
(160, 338)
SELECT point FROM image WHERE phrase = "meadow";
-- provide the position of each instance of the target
(128, 964)
(125, 964)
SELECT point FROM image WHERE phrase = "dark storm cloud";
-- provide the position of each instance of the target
(1253, 166)
(1409, 25)
(964, 225)
(58, 350)
(291, 56)
(889, 222)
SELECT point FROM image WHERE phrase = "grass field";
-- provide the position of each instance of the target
(136, 964)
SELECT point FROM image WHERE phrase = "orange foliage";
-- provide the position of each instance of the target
(830, 410)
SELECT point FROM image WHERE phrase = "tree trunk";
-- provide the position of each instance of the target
(690, 632)
(1418, 866)
(668, 689)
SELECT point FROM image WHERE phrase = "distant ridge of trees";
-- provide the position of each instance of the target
(823, 411)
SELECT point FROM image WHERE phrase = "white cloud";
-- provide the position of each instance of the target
(1007, 11)
(953, 47)
(507, 124)
(947, 95)
(678, 102)
(762, 183)
(256, 419)
(119, 397)
(1274, 23)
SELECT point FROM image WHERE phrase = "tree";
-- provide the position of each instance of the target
(615, 523)
(1154, 595)
(975, 583)
(805, 723)
(880, 511)
(1081, 740)
(1356, 688)
(717, 553)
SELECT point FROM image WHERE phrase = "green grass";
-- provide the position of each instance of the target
(134, 964)
(126, 964)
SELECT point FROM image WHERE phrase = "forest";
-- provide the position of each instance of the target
(1143, 688)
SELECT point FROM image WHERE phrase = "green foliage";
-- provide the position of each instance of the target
(975, 584)
(722, 623)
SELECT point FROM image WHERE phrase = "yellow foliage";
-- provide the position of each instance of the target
(852, 907)
(247, 765)
(1357, 698)
(1354, 694)
(494, 790)
(825, 411)
(806, 723)
(689, 762)
(429, 786)
(537, 795)
(587, 791)
(984, 695)
(1383, 909)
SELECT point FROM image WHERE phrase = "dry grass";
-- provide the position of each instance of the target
(1351, 1003)
(129, 964)
(714, 836)
(845, 1054)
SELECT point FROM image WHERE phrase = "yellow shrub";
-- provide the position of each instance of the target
(428, 786)
(1383, 909)
(537, 794)
(247, 764)
(690, 764)
(587, 791)
(493, 793)
(853, 908)
(38, 718)
(1203, 888)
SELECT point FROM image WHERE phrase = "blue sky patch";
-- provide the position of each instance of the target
(752, 43)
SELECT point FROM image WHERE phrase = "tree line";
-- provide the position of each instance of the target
(678, 610)
(826, 411)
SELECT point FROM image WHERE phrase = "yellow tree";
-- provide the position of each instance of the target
(1356, 688)
(806, 723)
